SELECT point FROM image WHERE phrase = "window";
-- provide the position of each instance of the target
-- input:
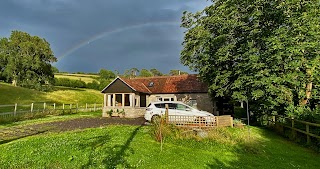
(181, 107)
(151, 84)
(166, 99)
(160, 106)
(192, 103)
(172, 106)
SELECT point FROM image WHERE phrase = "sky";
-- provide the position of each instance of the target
(89, 35)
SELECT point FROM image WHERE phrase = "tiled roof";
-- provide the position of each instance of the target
(167, 84)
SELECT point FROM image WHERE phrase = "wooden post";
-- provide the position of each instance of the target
(308, 136)
(231, 121)
(31, 109)
(70, 106)
(292, 129)
(94, 108)
(63, 106)
(86, 106)
(77, 108)
(44, 106)
(15, 109)
(54, 106)
(167, 113)
(217, 120)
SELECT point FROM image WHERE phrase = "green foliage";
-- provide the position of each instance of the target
(240, 112)
(263, 51)
(131, 72)
(304, 113)
(69, 83)
(54, 69)
(110, 112)
(26, 60)
(145, 73)
(156, 72)
(106, 74)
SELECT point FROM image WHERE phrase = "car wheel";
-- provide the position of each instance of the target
(155, 119)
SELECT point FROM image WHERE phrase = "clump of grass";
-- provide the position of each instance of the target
(237, 139)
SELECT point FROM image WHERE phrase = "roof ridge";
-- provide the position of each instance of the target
(152, 77)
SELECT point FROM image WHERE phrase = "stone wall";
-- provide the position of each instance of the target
(130, 112)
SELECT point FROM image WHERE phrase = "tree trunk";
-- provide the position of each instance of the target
(308, 94)
(308, 89)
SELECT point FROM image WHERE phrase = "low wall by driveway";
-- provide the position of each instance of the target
(130, 112)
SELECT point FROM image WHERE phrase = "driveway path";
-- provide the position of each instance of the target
(12, 133)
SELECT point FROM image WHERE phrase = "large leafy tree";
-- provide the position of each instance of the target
(106, 74)
(27, 60)
(145, 73)
(263, 51)
(156, 72)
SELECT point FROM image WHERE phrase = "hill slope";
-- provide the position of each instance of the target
(11, 95)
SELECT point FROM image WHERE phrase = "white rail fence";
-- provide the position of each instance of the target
(13, 110)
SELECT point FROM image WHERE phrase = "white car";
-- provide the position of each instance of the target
(157, 109)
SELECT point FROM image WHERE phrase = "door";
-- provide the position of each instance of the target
(143, 100)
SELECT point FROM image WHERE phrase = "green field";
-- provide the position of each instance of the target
(119, 146)
(82, 77)
(11, 95)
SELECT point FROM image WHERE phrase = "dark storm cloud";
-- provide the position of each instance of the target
(68, 23)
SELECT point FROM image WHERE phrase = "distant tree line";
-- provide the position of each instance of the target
(106, 77)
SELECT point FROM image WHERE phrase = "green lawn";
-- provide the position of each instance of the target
(11, 95)
(134, 147)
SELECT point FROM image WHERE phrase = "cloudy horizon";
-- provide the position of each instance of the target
(86, 36)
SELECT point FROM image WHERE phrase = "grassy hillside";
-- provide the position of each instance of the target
(83, 77)
(11, 95)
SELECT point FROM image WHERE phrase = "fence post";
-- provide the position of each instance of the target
(308, 137)
(292, 129)
(77, 108)
(31, 109)
(54, 106)
(94, 108)
(15, 109)
(231, 121)
(167, 113)
(86, 106)
(44, 106)
(63, 106)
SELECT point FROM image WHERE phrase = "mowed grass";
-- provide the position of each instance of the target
(10, 95)
(86, 79)
(134, 147)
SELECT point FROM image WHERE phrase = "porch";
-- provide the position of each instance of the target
(125, 100)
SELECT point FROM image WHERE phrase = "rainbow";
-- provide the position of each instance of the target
(109, 32)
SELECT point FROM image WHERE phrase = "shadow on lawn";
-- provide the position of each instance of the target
(116, 153)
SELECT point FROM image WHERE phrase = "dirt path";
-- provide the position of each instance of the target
(13, 133)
